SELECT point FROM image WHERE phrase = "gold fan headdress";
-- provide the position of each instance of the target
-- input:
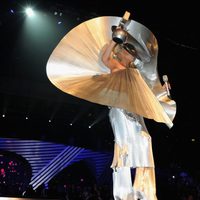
(75, 67)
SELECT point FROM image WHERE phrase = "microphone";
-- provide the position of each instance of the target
(165, 79)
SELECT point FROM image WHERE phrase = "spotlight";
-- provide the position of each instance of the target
(89, 126)
(49, 121)
(70, 124)
(59, 22)
(3, 115)
(29, 12)
(100, 117)
(12, 11)
(26, 118)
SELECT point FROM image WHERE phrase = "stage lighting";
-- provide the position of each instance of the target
(29, 12)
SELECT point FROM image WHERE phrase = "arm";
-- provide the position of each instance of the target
(107, 52)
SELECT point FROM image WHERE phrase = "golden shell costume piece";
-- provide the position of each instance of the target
(75, 67)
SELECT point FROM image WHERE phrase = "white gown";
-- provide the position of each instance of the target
(133, 149)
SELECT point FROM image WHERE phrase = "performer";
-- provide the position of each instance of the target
(133, 147)
(113, 61)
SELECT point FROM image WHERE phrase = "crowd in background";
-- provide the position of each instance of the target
(174, 186)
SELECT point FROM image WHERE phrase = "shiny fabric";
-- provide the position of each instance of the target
(75, 67)
(145, 183)
(132, 143)
(133, 149)
(122, 184)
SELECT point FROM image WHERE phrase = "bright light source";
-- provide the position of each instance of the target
(3, 115)
(29, 12)
(89, 126)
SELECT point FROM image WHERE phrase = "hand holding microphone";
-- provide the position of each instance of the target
(167, 85)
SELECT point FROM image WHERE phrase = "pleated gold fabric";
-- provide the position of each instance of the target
(75, 67)
(123, 89)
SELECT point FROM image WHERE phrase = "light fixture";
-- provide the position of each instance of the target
(29, 12)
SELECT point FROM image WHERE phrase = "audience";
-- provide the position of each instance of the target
(177, 186)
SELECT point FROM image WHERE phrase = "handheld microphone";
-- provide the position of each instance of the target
(165, 79)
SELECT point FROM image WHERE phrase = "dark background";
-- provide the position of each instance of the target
(25, 90)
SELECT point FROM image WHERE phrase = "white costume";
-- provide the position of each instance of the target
(133, 149)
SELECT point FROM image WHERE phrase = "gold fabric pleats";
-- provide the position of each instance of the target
(123, 89)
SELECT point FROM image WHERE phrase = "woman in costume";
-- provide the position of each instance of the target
(79, 66)
(133, 148)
